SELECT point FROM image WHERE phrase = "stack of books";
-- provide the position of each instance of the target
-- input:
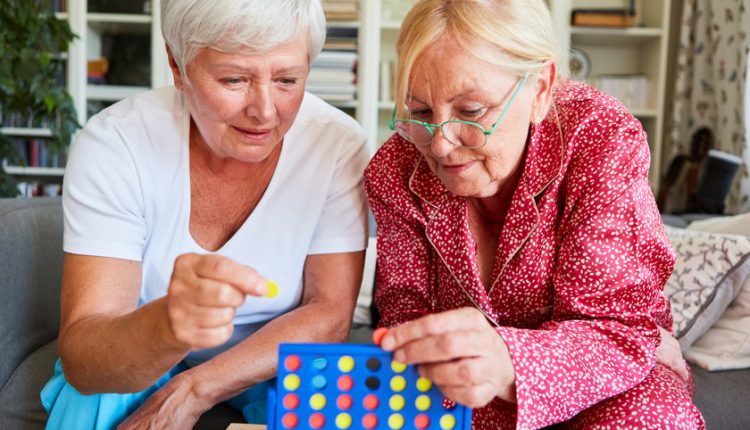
(631, 90)
(60, 5)
(341, 39)
(341, 10)
(38, 189)
(333, 76)
(38, 153)
(623, 17)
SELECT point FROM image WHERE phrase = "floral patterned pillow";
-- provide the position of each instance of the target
(705, 279)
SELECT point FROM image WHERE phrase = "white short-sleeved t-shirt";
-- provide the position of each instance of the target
(127, 195)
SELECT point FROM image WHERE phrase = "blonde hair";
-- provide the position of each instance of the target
(517, 34)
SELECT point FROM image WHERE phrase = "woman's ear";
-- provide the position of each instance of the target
(545, 83)
(179, 82)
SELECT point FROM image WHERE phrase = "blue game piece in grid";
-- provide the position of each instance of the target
(345, 386)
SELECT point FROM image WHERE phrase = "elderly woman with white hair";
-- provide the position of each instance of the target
(521, 256)
(183, 203)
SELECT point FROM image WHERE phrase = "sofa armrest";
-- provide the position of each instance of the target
(30, 276)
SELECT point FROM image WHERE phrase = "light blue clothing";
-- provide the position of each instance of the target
(69, 409)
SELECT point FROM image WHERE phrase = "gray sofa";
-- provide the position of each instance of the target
(30, 273)
(30, 270)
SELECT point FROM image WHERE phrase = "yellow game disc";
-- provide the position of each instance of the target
(272, 289)
(396, 421)
(343, 421)
(398, 383)
(346, 364)
(291, 382)
(424, 384)
(447, 422)
(423, 403)
(397, 402)
(398, 367)
(317, 401)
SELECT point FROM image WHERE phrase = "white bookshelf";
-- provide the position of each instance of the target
(35, 171)
(26, 132)
(112, 93)
(640, 50)
(45, 177)
(91, 28)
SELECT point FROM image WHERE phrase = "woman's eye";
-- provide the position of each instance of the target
(472, 113)
(419, 113)
(231, 81)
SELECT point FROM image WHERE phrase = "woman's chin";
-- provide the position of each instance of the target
(467, 190)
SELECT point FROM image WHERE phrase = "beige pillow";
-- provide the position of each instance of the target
(710, 270)
(726, 345)
(738, 224)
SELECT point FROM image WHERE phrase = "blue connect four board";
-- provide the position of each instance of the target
(346, 386)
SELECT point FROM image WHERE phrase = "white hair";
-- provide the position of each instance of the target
(253, 26)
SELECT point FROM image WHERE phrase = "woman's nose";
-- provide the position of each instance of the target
(441, 146)
(259, 102)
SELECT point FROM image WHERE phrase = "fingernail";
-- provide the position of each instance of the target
(387, 343)
(378, 334)
(272, 289)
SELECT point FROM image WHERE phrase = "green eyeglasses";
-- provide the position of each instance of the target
(459, 132)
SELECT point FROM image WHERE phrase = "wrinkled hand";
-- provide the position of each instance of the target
(458, 351)
(174, 406)
(669, 354)
(203, 295)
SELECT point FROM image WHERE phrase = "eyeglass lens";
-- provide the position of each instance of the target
(458, 133)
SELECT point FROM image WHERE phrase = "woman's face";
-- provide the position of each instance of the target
(243, 105)
(449, 83)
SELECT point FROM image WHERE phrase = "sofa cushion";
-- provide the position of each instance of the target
(722, 398)
(30, 275)
(709, 272)
(20, 405)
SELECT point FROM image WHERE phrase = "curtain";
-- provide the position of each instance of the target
(710, 89)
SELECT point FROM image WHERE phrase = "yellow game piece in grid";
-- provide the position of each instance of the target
(346, 364)
(423, 402)
(424, 384)
(396, 421)
(291, 382)
(272, 289)
(398, 383)
(317, 401)
(343, 420)
(398, 367)
(447, 422)
(396, 402)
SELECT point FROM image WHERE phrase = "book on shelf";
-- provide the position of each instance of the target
(333, 91)
(387, 72)
(336, 60)
(60, 5)
(341, 10)
(37, 153)
(331, 75)
(341, 39)
(38, 189)
(618, 17)
(337, 44)
(631, 90)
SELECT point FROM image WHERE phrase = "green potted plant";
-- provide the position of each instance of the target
(32, 43)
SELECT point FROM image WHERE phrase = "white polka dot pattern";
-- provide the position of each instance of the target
(579, 270)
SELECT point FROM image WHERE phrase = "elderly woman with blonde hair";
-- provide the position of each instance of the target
(182, 203)
(521, 256)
